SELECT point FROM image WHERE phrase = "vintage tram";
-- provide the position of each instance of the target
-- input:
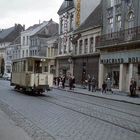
(30, 74)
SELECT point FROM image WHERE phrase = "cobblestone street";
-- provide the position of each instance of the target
(62, 115)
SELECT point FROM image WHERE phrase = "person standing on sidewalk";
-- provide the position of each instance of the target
(132, 87)
(70, 82)
(89, 82)
(93, 84)
(63, 81)
(73, 82)
(104, 86)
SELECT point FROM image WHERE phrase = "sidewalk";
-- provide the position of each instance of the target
(9, 131)
(116, 96)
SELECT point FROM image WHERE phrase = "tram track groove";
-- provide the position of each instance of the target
(105, 106)
(103, 112)
(137, 131)
(81, 111)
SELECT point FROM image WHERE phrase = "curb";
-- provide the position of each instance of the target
(124, 101)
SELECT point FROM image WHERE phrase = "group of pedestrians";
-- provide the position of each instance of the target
(92, 83)
(60, 81)
(132, 87)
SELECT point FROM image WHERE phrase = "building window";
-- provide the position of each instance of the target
(23, 53)
(61, 26)
(110, 25)
(71, 22)
(91, 45)
(118, 22)
(26, 52)
(117, 2)
(65, 50)
(76, 47)
(111, 3)
(130, 21)
(118, 9)
(60, 46)
(27, 40)
(86, 46)
(23, 40)
(80, 46)
(109, 12)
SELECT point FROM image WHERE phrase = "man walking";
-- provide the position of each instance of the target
(93, 84)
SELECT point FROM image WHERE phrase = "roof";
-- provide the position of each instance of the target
(45, 29)
(6, 32)
(16, 41)
(93, 20)
(36, 28)
(10, 34)
(66, 6)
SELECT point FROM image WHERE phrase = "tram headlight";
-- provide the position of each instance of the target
(42, 60)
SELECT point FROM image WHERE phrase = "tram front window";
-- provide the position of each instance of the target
(38, 67)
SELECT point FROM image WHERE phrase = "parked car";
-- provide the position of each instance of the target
(7, 76)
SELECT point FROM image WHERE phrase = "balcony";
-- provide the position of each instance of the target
(131, 36)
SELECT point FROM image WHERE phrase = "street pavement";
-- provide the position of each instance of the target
(9, 130)
(65, 115)
(115, 95)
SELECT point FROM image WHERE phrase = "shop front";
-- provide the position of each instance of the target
(120, 68)
(64, 66)
(85, 65)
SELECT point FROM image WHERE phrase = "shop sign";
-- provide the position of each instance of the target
(121, 60)
(112, 61)
(134, 60)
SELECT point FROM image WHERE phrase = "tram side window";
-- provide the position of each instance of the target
(45, 68)
(24, 66)
(38, 67)
(20, 67)
(13, 67)
(30, 65)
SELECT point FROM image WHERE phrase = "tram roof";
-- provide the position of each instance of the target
(30, 57)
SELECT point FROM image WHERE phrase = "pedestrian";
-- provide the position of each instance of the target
(70, 82)
(135, 87)
(93, 84)
(104, 86)
(63, 81)
(89, 82)
(108, 82)
(132, 87)
(73, 82)
(58, 80)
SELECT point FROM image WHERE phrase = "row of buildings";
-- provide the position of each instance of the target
(98, 38)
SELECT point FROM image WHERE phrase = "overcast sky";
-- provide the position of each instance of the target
(27, 12)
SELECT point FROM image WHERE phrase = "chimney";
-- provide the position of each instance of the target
(23, 27)
(39, 21)
(15, 25)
